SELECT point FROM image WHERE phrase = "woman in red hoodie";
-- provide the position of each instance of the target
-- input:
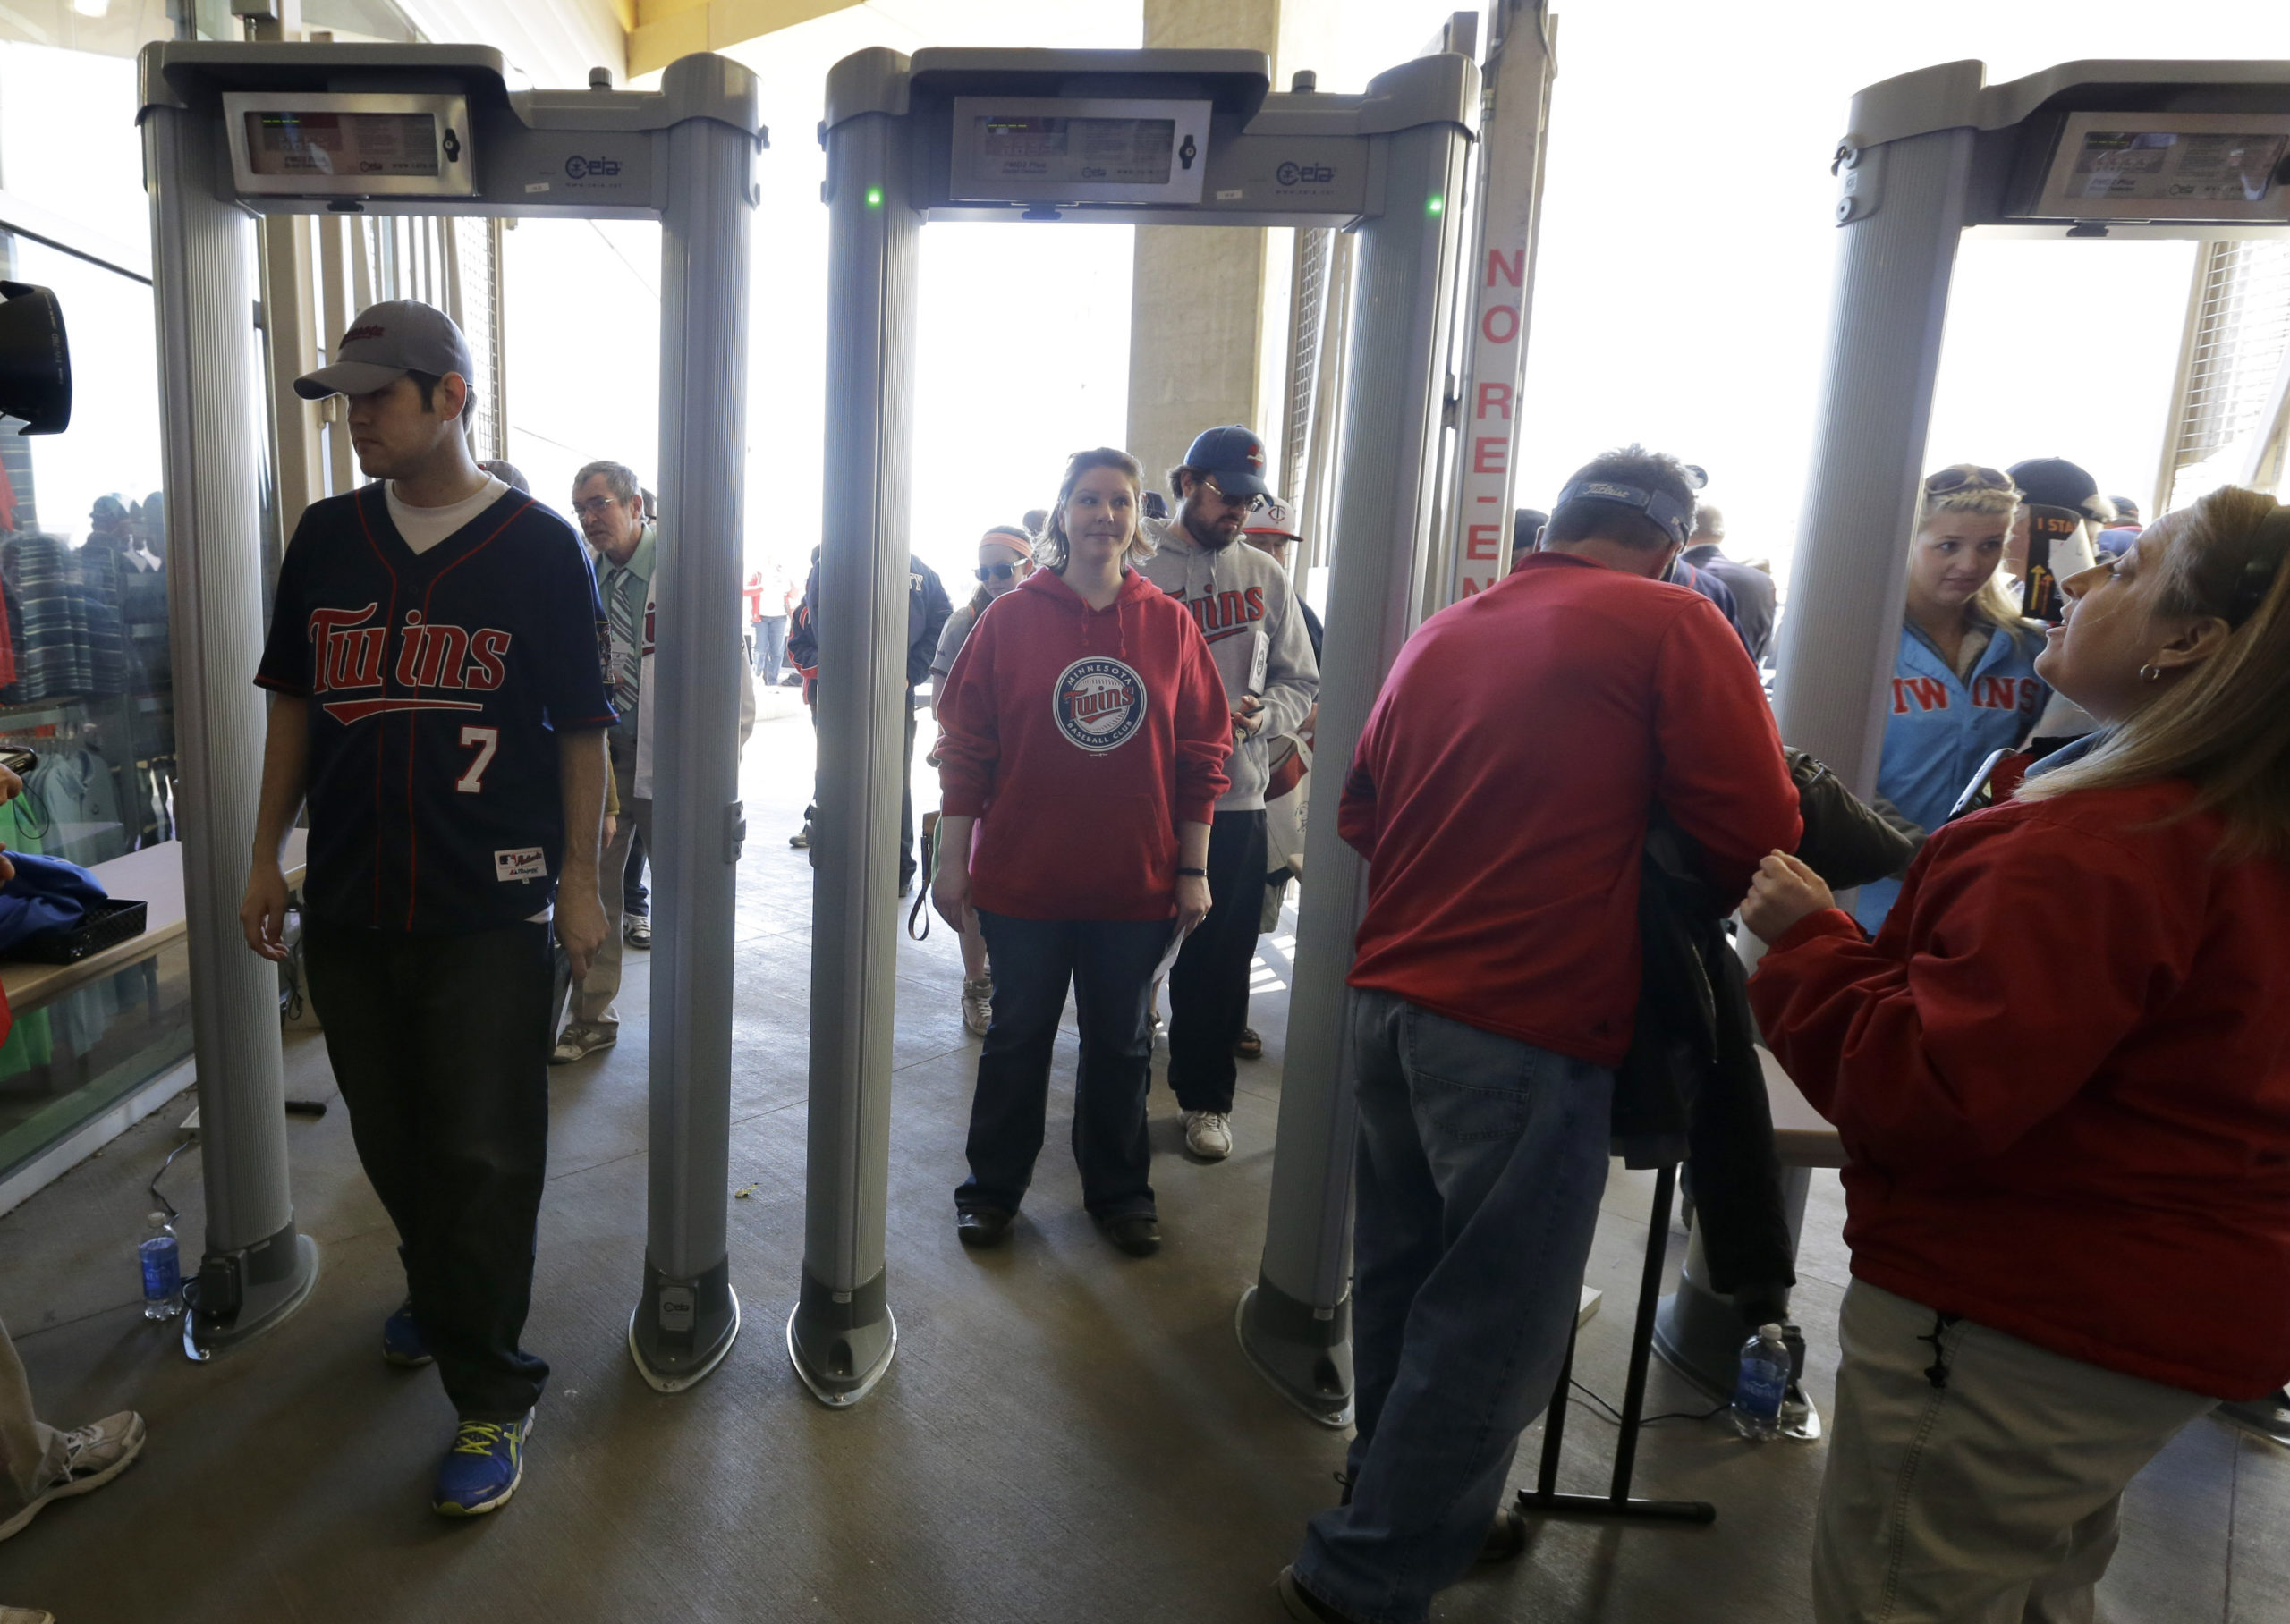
(1086, 731)
(2062, 1076)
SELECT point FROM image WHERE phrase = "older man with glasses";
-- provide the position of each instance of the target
(1242, 600)
(608, 502)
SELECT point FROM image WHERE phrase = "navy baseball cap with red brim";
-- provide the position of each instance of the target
(1234, 456)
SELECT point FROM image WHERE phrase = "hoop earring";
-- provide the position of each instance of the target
(2151, 674)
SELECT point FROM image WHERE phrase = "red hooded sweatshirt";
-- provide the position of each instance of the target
(2062, 1073)
(1082, 738)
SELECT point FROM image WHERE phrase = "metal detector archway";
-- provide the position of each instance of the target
(2091, 150)
(1196, 138)
(435, 130)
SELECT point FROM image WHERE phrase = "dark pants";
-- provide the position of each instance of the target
(440, 1046)
(1110, 963)
(1208, 984)
(906, 859)
(636, 896)
(1480, 1163)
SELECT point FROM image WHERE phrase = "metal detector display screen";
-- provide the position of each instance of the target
(2165, 167)
(1041, 147)
(345, 144)
(1078, 150)
(392, 144)
(2160, 166)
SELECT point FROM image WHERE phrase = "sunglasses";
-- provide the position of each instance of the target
(1247, 504)
(995, 571)
(1957, 478)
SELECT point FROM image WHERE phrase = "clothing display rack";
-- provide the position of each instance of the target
(1544, 1497)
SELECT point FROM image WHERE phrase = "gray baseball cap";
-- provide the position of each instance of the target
(386, 342)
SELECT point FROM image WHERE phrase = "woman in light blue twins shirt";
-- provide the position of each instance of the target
(1963, 683)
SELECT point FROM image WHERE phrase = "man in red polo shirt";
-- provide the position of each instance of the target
(1500, 795)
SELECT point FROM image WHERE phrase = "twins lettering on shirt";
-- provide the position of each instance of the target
(1923, 694)
(1227, 613)
(348, 654)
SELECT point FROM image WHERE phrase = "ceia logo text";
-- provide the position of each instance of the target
(1098, 703)
(1304, 175)
(578, 169)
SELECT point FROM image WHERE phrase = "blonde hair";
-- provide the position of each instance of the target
(2223, 727)
(1991, 603)
(1056, 546)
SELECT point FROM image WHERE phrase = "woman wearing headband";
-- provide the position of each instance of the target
(1965, 683)
(1005, 557)
(2062, 1077)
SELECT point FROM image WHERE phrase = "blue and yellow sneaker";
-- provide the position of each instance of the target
(401, 1343)
(483, 1467)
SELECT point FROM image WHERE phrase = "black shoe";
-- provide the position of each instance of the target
(1139, 1234)
(982, 1226)
(1505, 1538)
(1248, 1045)
(1305, 1607)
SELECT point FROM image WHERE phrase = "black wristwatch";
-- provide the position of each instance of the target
(1196, 873)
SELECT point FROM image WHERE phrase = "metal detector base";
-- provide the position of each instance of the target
(678, 1382)
(1698, 1512)
(841, 1397)
(200, 1348)
(1330, 1414)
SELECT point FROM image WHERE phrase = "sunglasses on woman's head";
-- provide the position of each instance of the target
(1957, 478)
(995, 571)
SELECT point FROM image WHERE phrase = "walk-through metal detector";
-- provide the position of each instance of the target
(1159, 137)
(231, 131)
(2091, 150)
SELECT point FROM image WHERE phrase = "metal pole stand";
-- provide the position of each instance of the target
(256, 1268)
(687, 1315)
(1544, 1498)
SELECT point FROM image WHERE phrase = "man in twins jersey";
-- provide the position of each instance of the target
(438, 698)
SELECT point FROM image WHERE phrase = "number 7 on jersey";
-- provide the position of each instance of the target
(486, 739)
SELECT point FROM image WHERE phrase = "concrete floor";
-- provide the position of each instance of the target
(1066, 1435)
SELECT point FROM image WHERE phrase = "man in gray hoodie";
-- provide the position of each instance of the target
(1246, 607)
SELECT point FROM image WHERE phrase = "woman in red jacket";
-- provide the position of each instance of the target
(2062, 1076)
(1086, 732)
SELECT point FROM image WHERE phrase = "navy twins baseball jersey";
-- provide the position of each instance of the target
(435, 684)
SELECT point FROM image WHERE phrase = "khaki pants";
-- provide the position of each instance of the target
(1991, 1501)
(592, 997)
(32, 1456)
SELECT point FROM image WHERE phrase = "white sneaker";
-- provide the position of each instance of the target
(25, 1615)
(977, 1003)
(1208, 1134)
(579, 1041)
(93, 1455)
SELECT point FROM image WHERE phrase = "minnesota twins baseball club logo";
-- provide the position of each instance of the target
(1099, 703)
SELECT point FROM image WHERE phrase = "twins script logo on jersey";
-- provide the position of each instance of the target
(1099, 703)
(347, 653)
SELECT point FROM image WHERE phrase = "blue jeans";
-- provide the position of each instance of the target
(1481, 1161)
(1110, 962)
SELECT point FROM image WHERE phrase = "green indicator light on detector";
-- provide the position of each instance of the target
(874, 197)
(1435, 205)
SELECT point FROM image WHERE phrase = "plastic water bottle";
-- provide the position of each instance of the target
(1763, 1381)
(162, 1271)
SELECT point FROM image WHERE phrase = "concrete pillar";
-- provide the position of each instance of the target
(1208, 309)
